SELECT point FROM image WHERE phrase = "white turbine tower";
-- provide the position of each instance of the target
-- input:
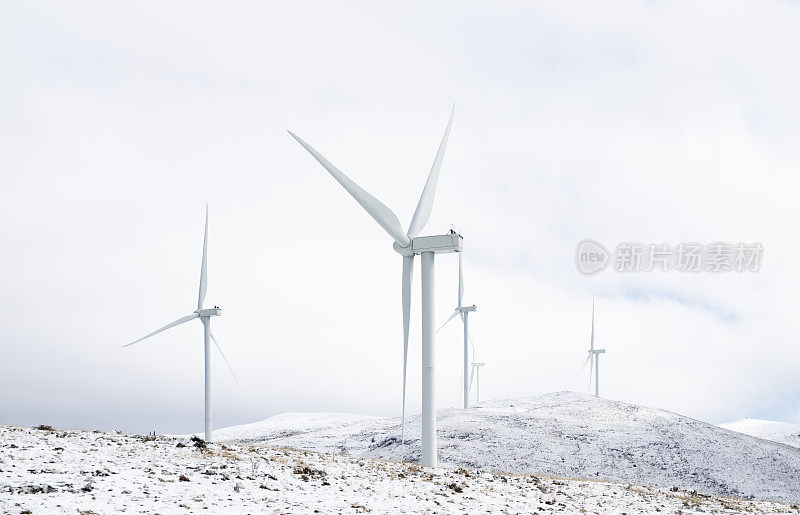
(205, 316)
(464, 311)
(594, 363)
(408, 244)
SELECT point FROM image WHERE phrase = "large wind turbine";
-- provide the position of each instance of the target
(205, 316)
(408, 244)
(464, 311)
(594, 363)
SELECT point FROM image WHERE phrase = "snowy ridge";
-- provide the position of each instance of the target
(767, 429)
(290, 424)
(567, 434)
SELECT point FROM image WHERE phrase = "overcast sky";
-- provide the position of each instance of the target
(644, 122)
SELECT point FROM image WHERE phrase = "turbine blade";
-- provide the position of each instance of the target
(376, 209)
(472, 344)
(456, 312)
(471, 376)
(591, 369)
(179, 321)
(230, 369)
(408, 272)
(203, 277)
(587, 360)
(460, 279)
(425, 205)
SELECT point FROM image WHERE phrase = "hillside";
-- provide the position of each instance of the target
(564, 435)
(89, 472)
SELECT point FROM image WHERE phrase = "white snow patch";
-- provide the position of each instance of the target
(289, 424)
(767, 429)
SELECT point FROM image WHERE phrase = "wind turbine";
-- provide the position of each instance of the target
(205, 316)
(408, 244)
(464, 311)
(476, 366)
(594, 353)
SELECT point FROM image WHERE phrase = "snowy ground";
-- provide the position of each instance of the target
(563, 435)
(52, 471)
(767, 429)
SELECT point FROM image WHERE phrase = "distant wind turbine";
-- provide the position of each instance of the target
(594, 363)
(408, 244)
(464, 312)
(205, 316)
(476, 370)
(476, 367)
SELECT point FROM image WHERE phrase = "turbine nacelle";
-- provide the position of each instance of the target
(440, 244)
(209, 312)
(464, 309)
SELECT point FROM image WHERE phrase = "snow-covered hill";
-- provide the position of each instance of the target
(90, 472)
(290, 424)
(564, 435)
(767, 429)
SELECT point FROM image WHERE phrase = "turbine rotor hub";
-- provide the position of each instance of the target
(403, 251)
